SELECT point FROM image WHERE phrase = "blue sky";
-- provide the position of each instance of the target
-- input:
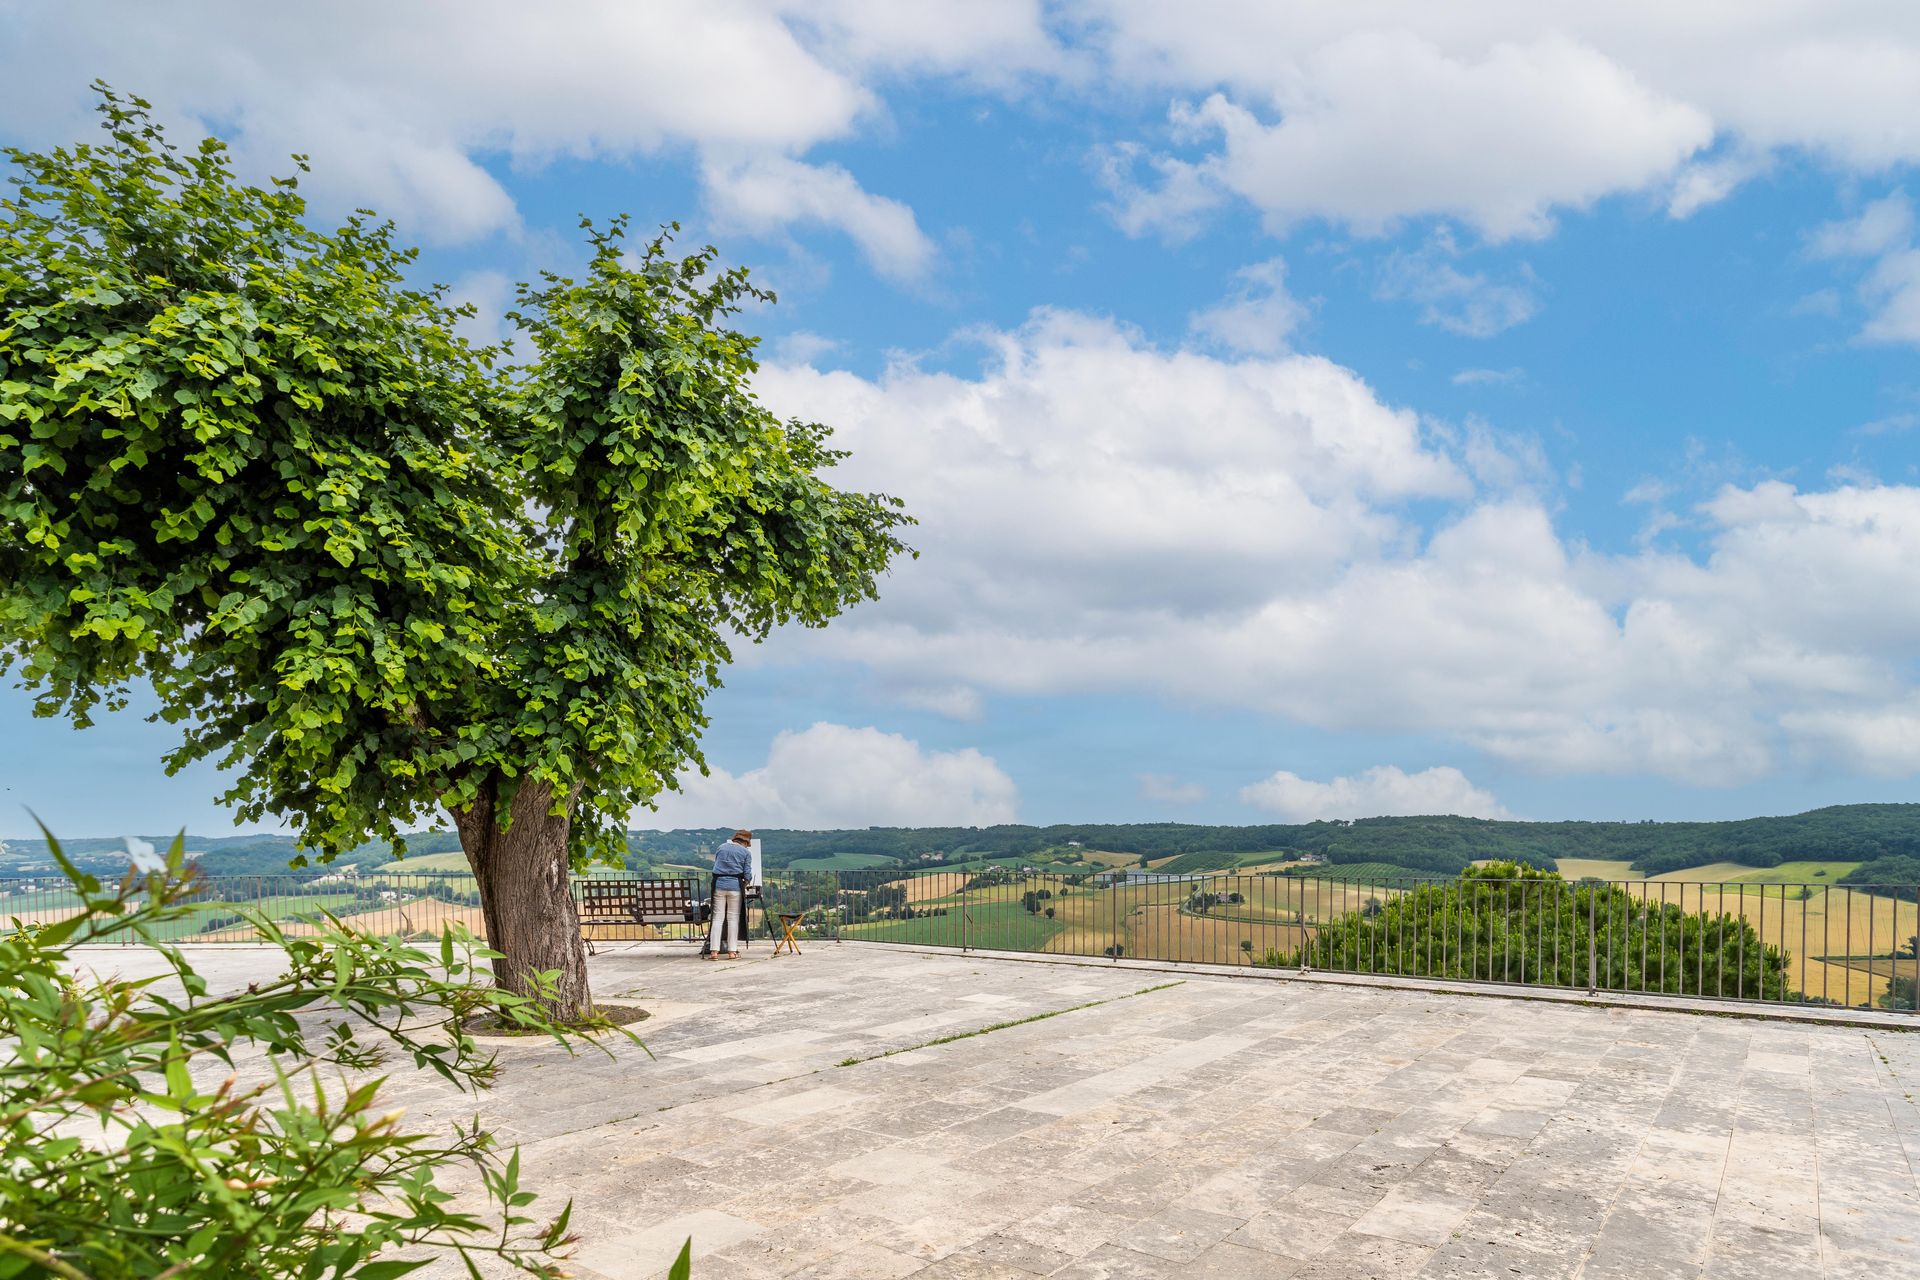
(1310, 410)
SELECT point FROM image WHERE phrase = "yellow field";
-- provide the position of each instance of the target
(1596, 869)
(422, 915)
(1833, 922)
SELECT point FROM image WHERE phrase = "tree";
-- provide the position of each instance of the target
(369, 567)
(1510, 923)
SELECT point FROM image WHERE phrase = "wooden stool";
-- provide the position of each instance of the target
(789, 925)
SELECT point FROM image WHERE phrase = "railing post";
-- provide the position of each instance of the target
(966, 916)
(1593, 950)
(1301, 916)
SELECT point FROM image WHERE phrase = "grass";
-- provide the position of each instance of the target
(1806, 872)
(993, 925)
(1002, 1026)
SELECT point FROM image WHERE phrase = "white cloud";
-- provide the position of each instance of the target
(1498, 113)
(490, 294)
(1377, 125)
(764, 193)
(1173, 203)
(402, 106)
(1465, 303)
(1884, 225)
(1711, 181)
(1884, 741)
(1488, 377)
(833, 775)
(1883, 231)
(1258, 316)
(1892, 424)
(804, 347)
(1163, 788)
(1382, 791)
(1100, 515)
(1501, 112)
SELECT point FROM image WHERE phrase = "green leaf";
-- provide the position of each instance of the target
(389, 1270)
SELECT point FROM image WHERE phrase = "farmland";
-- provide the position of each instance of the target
(843, 862)
(1829, 933)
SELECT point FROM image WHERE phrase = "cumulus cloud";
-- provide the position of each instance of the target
(403, 106)
(834, 775)
(1264, 532)
(1500, 113)
(765, 193)
(1497, 114)
(1878, 740)
(1378, 125)
(1381, 791)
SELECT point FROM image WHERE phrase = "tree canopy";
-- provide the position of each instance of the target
(373, 568)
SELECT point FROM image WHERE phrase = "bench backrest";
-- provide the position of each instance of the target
(646, 901)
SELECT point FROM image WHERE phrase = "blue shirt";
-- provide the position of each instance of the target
(732, 865)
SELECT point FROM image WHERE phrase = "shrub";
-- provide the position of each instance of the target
(122, 1154)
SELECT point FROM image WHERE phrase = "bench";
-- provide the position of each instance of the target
(606, 902)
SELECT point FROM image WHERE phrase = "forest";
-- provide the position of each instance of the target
(1866, 833)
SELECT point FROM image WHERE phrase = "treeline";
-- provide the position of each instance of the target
(257, 855)
(1860, 832)
(1897, 877)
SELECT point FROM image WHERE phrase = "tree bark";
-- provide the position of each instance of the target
(525, 897)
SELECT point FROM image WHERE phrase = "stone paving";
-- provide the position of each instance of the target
(1221, 1127)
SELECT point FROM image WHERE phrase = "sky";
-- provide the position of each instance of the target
(1309, 409)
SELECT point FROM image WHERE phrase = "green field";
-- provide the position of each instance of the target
(988, 926)
(1813, 873)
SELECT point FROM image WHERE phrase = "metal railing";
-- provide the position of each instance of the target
(1812, 942)
(1809, 942)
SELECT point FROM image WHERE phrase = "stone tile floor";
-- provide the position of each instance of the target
(1222, 1127)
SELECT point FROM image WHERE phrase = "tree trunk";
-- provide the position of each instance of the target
(524, 895)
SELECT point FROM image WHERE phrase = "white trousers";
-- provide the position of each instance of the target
(726, 921)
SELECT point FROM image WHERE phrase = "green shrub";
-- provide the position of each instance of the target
(122, 1153)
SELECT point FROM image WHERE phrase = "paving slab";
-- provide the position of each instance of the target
(1214, 1128)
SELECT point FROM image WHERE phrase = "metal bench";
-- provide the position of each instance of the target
(608, 903)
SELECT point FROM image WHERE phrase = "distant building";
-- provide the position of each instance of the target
(1163, 877)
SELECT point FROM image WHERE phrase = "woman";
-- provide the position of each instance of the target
(732, 869)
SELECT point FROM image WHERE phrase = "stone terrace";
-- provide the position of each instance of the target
(1221, 1127)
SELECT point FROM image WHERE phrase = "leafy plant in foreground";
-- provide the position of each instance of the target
(151, 1127)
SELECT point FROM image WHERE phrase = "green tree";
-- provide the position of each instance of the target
(1510, 923)
(367, 566)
